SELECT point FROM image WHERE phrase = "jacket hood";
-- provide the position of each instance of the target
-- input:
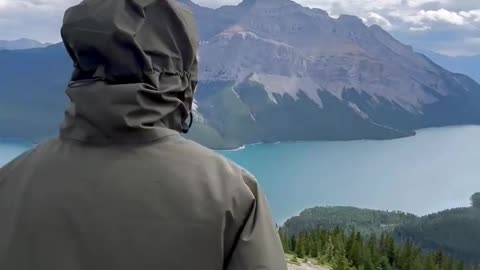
(135, 70)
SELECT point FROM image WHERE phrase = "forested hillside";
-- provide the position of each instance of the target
(348, 250)
(455, 231)
(365, 221)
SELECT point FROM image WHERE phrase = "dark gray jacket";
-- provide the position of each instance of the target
(120, 188)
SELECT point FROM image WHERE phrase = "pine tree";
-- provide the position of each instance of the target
(430, 263)
(390, 252)
(293, 243)
(356, 253)
(417, 264)
(372, 247)
(406, 255)
(367, 260)
(299, 247)
(306, 245)
(320, 246)
(341, 261)
(439, 257)
(384, 264)
(460, 266)
(313, 247)
(329, 251)
(448, 264)
(284, 239)
(382, 245)
(475, 199)
(350, 243)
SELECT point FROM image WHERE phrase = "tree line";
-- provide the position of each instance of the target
(350, 250)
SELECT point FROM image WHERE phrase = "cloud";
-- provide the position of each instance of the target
(473, 41)
(37, 19)
(375, 18)
(420, 28)
(417, 22)
(442, 15)
(472, 14)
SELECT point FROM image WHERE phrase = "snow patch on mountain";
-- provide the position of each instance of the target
(234, 54)
(196, 114)
(236, 94)
(281, 85)
(357, 110)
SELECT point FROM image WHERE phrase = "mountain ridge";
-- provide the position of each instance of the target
(21, 44)
(276, 71)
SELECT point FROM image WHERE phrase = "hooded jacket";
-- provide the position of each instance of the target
(120, 189)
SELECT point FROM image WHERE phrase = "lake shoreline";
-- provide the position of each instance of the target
(243, 147)
(24, 142)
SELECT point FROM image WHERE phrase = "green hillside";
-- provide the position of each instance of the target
(365, 221)
(455, 231)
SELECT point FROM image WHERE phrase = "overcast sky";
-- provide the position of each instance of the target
(447, 26)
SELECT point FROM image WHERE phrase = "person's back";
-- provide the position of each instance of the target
(120, 188)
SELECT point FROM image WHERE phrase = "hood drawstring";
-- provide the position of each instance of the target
(185, 130)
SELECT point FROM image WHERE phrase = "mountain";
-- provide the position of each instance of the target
(469, 65)
(273, 70)
(365, 221)
(21, 44)
(277, 71)
(32, 98)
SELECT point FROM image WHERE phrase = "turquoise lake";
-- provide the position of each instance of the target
(434, 170)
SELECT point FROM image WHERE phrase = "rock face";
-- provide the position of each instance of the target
(273, 70)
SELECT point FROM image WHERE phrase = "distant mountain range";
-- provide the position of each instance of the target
(21, 44)
(468, 65)
(272, 70)
(32, 91)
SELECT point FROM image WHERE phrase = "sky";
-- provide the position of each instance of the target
(450, 27)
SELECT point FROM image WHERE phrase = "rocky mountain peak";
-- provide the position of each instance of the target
(350, 19)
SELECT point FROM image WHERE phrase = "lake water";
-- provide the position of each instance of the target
(11, 149)
(435, 170)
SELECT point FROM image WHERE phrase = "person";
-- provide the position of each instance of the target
(120, 188)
